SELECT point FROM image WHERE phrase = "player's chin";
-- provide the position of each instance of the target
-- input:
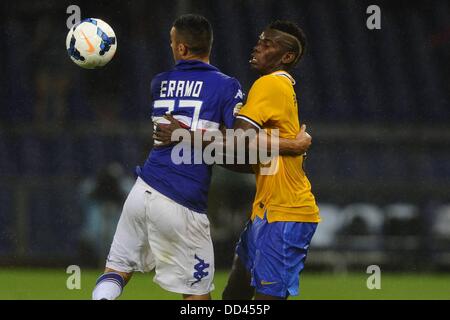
(258, 69)
(254, 66)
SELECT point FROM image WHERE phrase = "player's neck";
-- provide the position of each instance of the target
(205, 60)
(202, 59)
(279, 68)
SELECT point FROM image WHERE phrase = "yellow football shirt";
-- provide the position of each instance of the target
(285, 195)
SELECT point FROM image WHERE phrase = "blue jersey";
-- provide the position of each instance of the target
(200, 97)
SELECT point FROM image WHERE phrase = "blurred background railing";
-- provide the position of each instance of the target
(379, 201)
(376, 103)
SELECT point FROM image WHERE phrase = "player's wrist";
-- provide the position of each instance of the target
(299, 146)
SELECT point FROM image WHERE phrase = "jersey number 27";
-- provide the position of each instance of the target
(170, 106)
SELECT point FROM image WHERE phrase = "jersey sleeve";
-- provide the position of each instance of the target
(154, 92)
(263, 101)
(233, 96)
(154, 87)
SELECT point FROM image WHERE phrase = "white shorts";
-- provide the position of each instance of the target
(156, 232)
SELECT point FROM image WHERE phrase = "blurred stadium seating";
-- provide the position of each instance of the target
(376, 103)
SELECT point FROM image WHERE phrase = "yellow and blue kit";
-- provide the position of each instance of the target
(284, 217)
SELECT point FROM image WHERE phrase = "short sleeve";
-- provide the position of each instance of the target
(262, 101)
(154, 88)
(153, 96)
(233, 96)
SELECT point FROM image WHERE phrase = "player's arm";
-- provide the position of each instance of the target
(165, 136)
(286, 147)
(248, 133)
(239, 168)
(262, 108)
(235, 167)
(296, 146)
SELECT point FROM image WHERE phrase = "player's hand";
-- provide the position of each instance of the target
(237, 108)
(162, 132)
(302, 141)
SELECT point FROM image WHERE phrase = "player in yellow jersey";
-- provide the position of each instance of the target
(272, 249)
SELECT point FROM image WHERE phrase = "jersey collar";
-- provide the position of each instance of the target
(194, 65)
(285, 74)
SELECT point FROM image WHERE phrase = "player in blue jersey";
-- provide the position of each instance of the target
(164, 225)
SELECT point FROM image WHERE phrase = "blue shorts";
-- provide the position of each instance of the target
(275, 254)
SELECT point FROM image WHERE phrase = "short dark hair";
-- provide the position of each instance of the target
(195, 30)
(293, 30)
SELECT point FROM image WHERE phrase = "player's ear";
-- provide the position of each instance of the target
(182, 49)
(288, 57)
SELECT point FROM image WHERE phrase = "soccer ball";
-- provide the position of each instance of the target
(91, 43)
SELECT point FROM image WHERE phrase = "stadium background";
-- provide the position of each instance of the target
(376, 103)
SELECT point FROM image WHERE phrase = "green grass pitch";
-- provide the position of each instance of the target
(37, 284)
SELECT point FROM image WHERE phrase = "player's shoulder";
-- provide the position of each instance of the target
(158, 78)
(277, 78)
(161, 76)
(224, 78)
(227, 85)
(267, 83)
